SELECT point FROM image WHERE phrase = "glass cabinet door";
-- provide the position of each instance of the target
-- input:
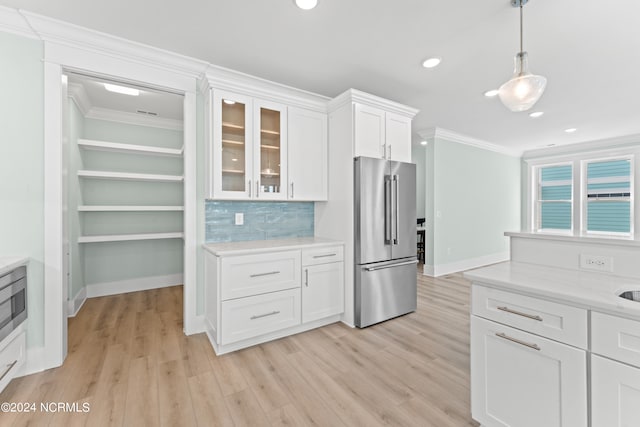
(233, 149)
(270, 150)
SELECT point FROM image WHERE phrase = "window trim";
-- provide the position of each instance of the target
(579, 194)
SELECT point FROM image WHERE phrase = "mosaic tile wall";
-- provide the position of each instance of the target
(262, 220)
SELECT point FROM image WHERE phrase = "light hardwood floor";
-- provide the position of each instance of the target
(129, 360)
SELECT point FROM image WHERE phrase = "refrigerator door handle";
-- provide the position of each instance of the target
(387, 210)
(382, 267)
(396, 191)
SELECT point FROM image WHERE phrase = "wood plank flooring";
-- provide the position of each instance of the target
(130, 362)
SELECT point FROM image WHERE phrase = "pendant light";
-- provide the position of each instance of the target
(524, 89)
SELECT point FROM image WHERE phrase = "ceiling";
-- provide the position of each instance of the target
(588, 50)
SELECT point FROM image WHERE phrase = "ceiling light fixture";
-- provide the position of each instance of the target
(423, 142)
(491, 93)
(432, 62)
(524, 89)
(121, 89)
(570, 130)
(306, 4)
(536, 114)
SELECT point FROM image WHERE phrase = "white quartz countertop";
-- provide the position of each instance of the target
(260, 246)
(591, 290)
(8, 263)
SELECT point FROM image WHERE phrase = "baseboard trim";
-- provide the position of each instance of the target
(199, 326)
(465, 264)
(133, 285)
(75, 304)
(35, 362)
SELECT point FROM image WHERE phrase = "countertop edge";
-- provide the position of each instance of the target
(9, 263)
(616, 306)
(273, 245)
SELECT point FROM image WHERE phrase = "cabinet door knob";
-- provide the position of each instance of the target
(292, 190)
(250, 189)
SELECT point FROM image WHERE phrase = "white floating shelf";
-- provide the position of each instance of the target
(96, 208)
(129, 237)
(91, 144)
(129, 176)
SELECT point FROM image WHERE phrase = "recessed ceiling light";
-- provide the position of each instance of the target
(423, 142)
(228, 101)
(432, 62)
(121, 89)
(306, 4)
(570, 130)
(234, 160)
(536, 114)
(491, 93)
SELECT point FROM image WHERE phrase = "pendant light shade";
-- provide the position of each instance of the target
(524, 89)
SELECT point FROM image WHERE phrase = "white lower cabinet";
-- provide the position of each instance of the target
(615, 394)
(256, 297)
(322, 291)
(523, 380)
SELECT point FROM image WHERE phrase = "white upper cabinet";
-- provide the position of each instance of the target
(382, 134)
(270, 150)
(249, 148)
(307, 155)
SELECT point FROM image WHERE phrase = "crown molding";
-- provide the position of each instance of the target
(11, 21)
(432, 133)
(133, 118)
(79, 95)
(357, 96)
(580, 147)
(64, 33)
(226, 79)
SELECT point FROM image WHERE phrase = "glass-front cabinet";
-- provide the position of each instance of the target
(249, 148)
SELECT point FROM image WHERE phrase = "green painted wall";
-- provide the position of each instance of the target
(76, 130)
(22, 167)
(117, 261)
(476, 198)
(418, 156)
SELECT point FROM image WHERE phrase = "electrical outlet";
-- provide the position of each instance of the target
(239, 218)
(596, 262)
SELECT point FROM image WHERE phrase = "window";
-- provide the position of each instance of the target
(585, 195)
(608, 203)
(554, 197)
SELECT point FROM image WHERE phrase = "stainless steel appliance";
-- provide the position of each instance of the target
(13, 300)
(385, 240)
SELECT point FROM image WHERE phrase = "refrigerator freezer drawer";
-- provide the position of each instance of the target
(385, 290)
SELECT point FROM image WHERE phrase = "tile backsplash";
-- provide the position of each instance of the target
(262, 220)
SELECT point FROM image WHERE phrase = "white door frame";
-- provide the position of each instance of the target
(130, 62)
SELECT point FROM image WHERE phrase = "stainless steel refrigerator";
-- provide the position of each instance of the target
(385, 240)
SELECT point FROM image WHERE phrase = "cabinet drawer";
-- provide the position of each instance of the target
(253, 316)
(322, 255)
(250, 275)
(548, 319)
(616, 338)
(12, 356)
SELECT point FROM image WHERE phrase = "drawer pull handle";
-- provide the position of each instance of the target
(259, 316)
(324, 256)
(265, 274)
(306, 277)
(519, 313)
(517, 341)
(9, 368)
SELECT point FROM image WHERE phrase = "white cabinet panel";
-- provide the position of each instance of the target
(398, 137)
(616, 337)
(12, 357)
(549, 319)
(522, 380)
(250, 317)
(615, 394)
(322, 291)
(322, 255)
(369, 132)
(270, 150)
(307, 155)
(257, 274)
